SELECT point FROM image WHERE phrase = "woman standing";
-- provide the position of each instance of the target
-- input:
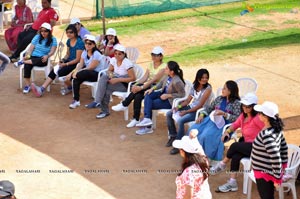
(270, 152)
(192, 182)
(42, 47)
(200, 93)
(22, 16)
(91, 63)
(226, 108)
(119, 74)
(153, 75)
(75, 46)
(172, 87)
(250, 125)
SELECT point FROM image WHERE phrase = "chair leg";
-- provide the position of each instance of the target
(154, 115)
(126, 114)
(249, 189)
(21, 76)
(280, 190)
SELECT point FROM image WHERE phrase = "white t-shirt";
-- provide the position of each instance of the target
(96, 56)
(121, 70)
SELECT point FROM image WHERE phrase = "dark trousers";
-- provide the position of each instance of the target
(63, 71)
(24, 38)
(236, 152)
(265, 189)
(36, 61)
(137, 104)
(81, 76)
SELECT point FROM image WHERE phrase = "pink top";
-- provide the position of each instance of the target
(193, 177)
(250, 128)
(267, 177)
(23, 15)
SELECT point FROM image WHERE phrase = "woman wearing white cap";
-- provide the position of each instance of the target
(91, 63)
(119, 74)
(250, 125)
(82, 31)
(42, 47)
(192, 182)
(153, 74)
(108, 42)
(224, 109)
(270, 152)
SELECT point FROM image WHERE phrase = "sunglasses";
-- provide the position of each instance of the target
(88, 43)
(155, 55)
(247, 106)
(70, 32)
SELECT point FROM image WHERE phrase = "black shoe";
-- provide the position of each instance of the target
(174, 151)
(170, 141)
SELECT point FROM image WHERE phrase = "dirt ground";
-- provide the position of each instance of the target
(50, 151)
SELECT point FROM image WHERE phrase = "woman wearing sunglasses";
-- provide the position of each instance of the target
(91, 63)
(108, 42)
(42, 47)
(75, 46)
(250, 125)
(119, 74)
(153, 74)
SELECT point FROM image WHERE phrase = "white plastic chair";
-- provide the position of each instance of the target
(132, 54)
(246, 85)
(4, 14)
(46, 69)
(187, 88)
(139, 72)
(293, 168)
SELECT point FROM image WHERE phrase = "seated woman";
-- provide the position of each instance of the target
(82, 31)
(119, 74)
(91, 63)
(172, 87)
(108, 42)
(200, 93)
(75, 46)
(224, 109)
(23, 15)
(250, 125)
(153, 75)
(42, 47)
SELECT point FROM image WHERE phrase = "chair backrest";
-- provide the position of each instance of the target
(132, 54)
(246, 85)
(293, 166)
(187, 88)
(139, 71)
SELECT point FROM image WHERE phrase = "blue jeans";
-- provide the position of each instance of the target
(184, 119)
(152, 101)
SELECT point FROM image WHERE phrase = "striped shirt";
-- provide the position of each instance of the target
(269, 153)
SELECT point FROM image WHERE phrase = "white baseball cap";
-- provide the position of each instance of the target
(157, 50)
(90, 37)
(249, 98)
(188, 145)
(119, 47)
(268, 108)
(111, 31)
(46, 25)
(75, 20)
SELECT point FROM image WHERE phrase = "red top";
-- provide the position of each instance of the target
(45, 15)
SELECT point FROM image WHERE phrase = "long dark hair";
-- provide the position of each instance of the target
(93, 49)
(73, 29)
(116, 40)
(49, 38)
(173, 66)
(199, 160)
(234, 90)
(198, 77)
(276, 124)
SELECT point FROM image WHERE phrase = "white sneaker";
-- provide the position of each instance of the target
(119, 107)
(217, 168)
(144, 131)
(132, 123)
(74, 104)
(145, 122)
(229, 186)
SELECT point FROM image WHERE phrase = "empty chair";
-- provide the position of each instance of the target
(246, 85)
(132, 54)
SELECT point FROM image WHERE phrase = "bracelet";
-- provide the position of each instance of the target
(109, 45)
(142, 87)
(154, 87)
(179, 106)
(202, 114)
(228, 130)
